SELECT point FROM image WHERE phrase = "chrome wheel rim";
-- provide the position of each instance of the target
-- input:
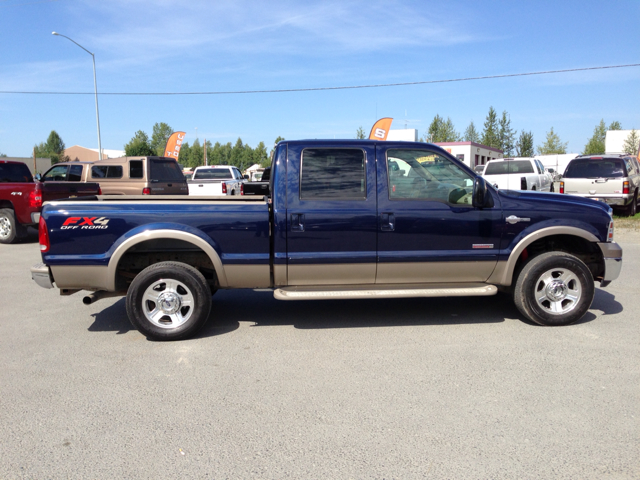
(558, 291)
(168, 303)
(5, 227)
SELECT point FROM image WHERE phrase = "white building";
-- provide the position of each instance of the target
(471, 153)
(558, 162)
(403, 135)
(614, 140)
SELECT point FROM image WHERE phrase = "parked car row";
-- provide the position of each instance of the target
(612, 179)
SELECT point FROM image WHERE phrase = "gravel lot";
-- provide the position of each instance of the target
(439, 388)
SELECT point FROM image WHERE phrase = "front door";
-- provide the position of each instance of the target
(331, 215)
(429, 231)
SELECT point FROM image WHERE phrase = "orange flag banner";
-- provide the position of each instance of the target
(380, 129)
(174, 144)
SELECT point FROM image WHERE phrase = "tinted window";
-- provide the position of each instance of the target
(106, 171)
(424, 175)
(15, 173)
(135, 169)
(333, 174)
(213, 174)
(56, 174)
(595, 168)
(75, 173)
(165, 171)
(508, 166)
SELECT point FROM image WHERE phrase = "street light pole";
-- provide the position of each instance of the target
(95, 88)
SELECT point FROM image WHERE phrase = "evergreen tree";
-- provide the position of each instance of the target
(506, 135)
(3, 155)
(360, 134)
(552, 145)
(159, 137)
(441, 131)
(631, 143)
(53, 148)
(139, 146)
(471, 134)
(260, 155)
(596, 143)
(524, 145)
(278, 140)
(490, 136)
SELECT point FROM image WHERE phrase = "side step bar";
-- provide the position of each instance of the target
(349, 292)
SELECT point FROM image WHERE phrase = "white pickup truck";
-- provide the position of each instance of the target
(518, 174)
(216, 180)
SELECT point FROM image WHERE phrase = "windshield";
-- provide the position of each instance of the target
(213, 174)
(595, 168)
(508, 166)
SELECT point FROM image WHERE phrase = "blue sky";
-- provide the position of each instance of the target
(177, 46)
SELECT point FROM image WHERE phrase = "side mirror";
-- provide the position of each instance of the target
(246, 177)
(38, 177)
(481, 196)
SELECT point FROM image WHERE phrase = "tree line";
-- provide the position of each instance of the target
(498, 133)
(240, 155)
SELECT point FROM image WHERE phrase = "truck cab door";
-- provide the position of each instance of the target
(429, 231)
(331, 214)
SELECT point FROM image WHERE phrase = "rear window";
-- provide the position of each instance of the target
(213, 174)
(595, 168)
(15, 173)
(508, 166)
(106, 171)
(165, 171)
(333, 174)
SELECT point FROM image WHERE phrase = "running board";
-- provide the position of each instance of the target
(349, 292)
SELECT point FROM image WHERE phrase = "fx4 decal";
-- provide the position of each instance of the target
(85, 223)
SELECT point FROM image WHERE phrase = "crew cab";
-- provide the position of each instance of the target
(21, 198)
(216, 180)
(346, 219)
(518, 174)
(613, 179)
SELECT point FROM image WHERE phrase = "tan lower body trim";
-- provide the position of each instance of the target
(248, 276)
(332, 274)
(434, 272)
(82, 277)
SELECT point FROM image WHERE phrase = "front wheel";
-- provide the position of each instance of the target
(168, 301)
(554, 289)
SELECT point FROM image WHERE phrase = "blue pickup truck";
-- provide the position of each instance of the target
(344, 220)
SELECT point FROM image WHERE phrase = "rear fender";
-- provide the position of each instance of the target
(164, 231)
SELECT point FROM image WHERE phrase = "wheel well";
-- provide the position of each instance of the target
(585, 250)
(6, 204)
(149, 252)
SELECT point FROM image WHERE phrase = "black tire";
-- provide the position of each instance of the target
(175, 284)
(632, 208)
(10, 229)
(554, 289)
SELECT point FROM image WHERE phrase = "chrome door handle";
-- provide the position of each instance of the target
(513, 219)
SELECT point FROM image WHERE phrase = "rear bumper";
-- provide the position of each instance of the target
(41, 274)
(612, 253)
(614, 200)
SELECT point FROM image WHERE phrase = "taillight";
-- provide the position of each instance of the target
(43, 235)
(610, 233)
(561, 187)
(625, 187)
(146, 191)
(224, 188)
(35, 197)
(242, 189)
(523, 183)
(99, 190)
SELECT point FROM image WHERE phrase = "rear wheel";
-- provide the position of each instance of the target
(10, 229)
(169, 301)
(554, 289)
(632, 208)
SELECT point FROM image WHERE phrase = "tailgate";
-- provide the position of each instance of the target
(593, 186)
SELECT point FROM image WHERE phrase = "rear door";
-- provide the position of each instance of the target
(429, 231)
(166, 178)
(331, 215)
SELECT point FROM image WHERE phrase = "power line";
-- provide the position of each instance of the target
(316, 89)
